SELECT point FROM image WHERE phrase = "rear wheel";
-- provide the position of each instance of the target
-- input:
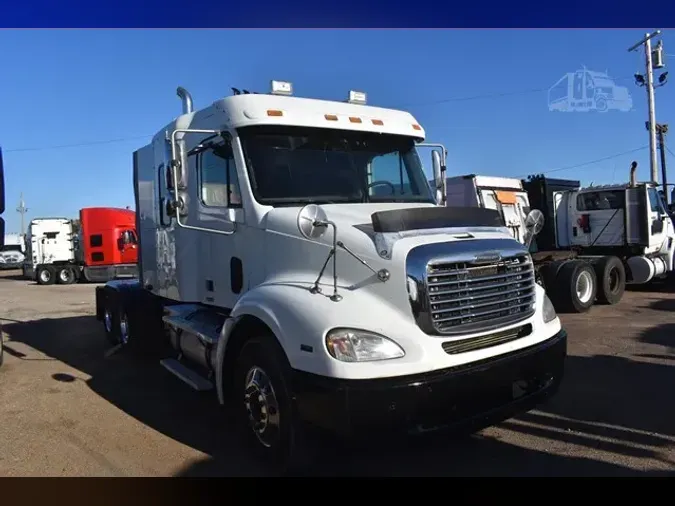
(611, 275)
(576, 287)
(65, 276)
(265, 413)
(45, 275)
(110, 322)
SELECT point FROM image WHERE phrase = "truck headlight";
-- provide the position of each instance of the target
(548, 311)
(354, 345)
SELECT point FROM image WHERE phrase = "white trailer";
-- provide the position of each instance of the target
(592, 241)
(292, 257)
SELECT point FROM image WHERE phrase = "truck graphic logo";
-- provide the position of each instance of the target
(586, 90)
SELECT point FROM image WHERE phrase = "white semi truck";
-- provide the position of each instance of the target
(293, 258)
(591, 241)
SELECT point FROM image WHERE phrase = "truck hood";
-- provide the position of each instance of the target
(355, 229)
(290, 259)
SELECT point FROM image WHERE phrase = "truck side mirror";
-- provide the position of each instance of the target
(438, 174)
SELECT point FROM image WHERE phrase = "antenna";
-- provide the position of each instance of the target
(22, 210)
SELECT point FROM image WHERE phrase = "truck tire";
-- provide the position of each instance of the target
(265, 415)
(576, 287)
(45, 275)
(611, 274)
(65, 275)
(110, 321)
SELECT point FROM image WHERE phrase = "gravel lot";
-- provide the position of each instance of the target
(65, 410)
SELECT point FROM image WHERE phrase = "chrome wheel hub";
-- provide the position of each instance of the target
(107, 320)
(262, 406)
(584, 287)
(124, 328)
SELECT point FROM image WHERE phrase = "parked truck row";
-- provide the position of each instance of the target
(590, 242)
(293, 258)
(100, 246)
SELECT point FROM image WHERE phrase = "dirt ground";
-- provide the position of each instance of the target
(66, 410)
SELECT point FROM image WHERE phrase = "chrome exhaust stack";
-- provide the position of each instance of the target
(186, 98)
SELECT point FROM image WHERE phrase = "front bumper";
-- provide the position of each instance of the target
(470, 396)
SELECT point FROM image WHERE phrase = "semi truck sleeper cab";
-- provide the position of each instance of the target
(293, 259)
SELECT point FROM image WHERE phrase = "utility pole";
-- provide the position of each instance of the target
(653, 60)
(22, 210)
(661, 131)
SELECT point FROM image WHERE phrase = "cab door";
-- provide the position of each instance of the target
(657, 220)
(128, 247)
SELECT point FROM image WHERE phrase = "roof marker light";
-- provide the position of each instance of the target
(281, 88)
(330, 117)
(377, 122)
(417, 127)
(357, 97)
(354, 119)
(273, 112)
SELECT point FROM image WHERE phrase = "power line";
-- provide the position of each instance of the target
(76, 145)
(590, 162)
(435, 102)
(493, 95)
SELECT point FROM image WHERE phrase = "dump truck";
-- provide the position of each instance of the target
(292, 258)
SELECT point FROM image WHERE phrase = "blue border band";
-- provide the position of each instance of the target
(343, 14)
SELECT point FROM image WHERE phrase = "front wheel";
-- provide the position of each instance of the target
(264, 410)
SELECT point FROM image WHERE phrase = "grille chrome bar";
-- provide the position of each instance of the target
(462, 294)
(482, 342)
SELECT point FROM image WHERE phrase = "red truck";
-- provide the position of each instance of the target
(100, 246)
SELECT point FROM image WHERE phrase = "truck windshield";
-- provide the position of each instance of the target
(297, 165)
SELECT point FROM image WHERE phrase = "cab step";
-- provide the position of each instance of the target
(192, 378)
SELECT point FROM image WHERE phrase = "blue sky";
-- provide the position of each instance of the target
(61, 87)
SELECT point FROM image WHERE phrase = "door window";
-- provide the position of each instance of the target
(219, 184)
(655, 201)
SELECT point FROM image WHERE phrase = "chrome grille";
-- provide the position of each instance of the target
(482, 342)
(472, 296)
